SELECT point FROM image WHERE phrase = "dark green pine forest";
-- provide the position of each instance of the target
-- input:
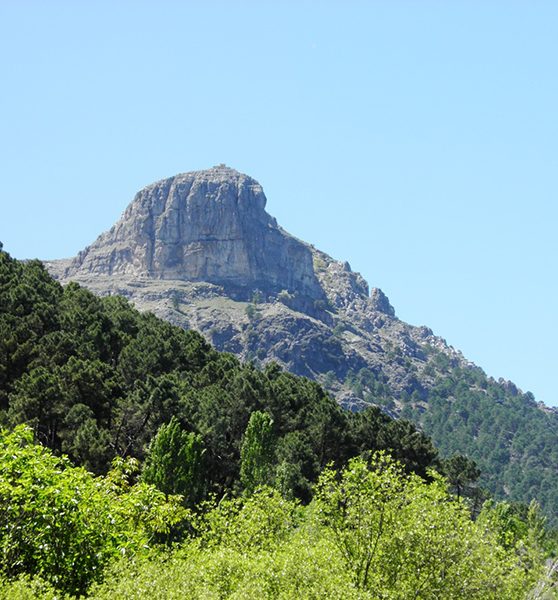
(95, 379)
(136, 461)
(512, 438)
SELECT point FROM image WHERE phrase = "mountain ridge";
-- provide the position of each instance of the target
(132, 259)
(108, 270)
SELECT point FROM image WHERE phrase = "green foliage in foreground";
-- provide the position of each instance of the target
(372, 531)
(404, 539)
(66, 525)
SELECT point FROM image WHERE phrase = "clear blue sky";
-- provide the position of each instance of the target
(417, 140)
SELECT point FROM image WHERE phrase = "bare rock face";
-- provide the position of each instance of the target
(203, 226)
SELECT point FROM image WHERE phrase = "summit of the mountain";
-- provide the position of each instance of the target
(200, 250)
(207, 226)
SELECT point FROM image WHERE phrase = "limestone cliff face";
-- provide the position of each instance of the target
(203, 226)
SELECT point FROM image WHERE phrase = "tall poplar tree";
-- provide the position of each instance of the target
(257, 454)
(174, 462)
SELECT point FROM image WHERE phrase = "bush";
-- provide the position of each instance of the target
(403, 538)
(64, 524)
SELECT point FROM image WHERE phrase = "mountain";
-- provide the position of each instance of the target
(199, 250)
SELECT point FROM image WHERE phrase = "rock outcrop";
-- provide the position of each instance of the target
(203, 226)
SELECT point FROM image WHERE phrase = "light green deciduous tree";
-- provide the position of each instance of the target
(257, 452)
(174, 462)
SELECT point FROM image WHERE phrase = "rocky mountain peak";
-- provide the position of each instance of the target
(210, 226)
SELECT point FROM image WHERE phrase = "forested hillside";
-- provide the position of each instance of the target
(513, 440)
(138, 462)
(95, 379)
